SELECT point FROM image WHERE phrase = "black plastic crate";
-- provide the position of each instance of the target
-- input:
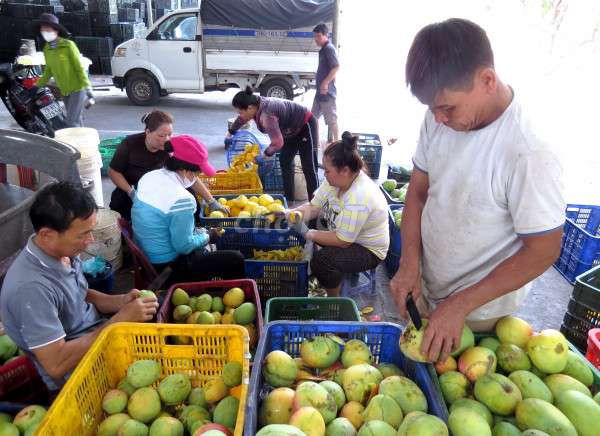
(105, 67)
(128, 15)
(16, 10)
(102, 20)
(94, 46)
(370, 149)
(78, 23)
(105, 6)
(102, 31)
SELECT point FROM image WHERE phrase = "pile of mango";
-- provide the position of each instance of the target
(398, 193)
(291, 254)
(516, 381)
(335, 388)
(206, 309)
(26, 422)
(144, 404)
(247, 207)
(245, 161)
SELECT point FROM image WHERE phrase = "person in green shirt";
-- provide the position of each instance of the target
(63, 62)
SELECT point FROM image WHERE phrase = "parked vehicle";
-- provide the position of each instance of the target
(225, 44)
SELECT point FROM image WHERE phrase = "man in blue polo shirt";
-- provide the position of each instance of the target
(324, 103)
(46, 306)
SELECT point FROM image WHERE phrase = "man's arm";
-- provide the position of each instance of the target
(326, 239)
(408, 278)
(108, 304)
(536, 255)
(325, 83)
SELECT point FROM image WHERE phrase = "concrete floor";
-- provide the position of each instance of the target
(205, 116)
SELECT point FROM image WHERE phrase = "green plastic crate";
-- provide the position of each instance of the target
(308, 309)
(107, 149)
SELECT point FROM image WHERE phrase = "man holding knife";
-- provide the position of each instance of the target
(484, 211)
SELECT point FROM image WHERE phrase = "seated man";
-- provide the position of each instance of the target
(46, 306)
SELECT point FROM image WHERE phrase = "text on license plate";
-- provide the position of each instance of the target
(51, 110)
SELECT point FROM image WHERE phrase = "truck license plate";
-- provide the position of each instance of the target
(51, 110)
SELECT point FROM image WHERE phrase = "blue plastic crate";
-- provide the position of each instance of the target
(581, 241)
(248, 223)
(370, 149)
(395, 238)
(238, 143)
(273, 278)
(271, 177)
(382, 339)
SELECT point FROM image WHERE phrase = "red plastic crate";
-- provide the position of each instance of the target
(593, 348)
(21, 383)
(215, 288)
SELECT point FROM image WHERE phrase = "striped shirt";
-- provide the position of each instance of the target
(359, 216)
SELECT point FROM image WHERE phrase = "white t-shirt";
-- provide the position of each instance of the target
(359, 216)
(486, 188)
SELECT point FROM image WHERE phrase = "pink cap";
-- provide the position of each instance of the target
(189, 149)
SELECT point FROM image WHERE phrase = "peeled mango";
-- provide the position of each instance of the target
(174, 389)
(454, 386)
(277, 407)
(340, 427)
(498, 393)
(512, 358)
(466, 422)
(475, 406)
(548, 351)
(405, 392)
(578, 368)
(513, 330)
(410, 342)
(319, 352)
(376, 428)
(582, 411)
(359, 381)
(144, 405)
(310, 394)
(531, 386)
(356, 352)
(110, 426)
(383, 408)
(424, 425)
(280, 430)
(142, 373)
(475, 362)
(541, 415)
(309, 420)
(279, 369)
(559, 383)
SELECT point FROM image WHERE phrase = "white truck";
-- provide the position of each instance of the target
(267, 44)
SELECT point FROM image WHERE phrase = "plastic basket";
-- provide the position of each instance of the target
(583, 311)
(216, 288)
(395, 238)
(388, 197)
(238, 143)
(107, 148)
(247, 223)
(370, 149)
(593, 348)
(399, 174)
(581, 241)
(21, 383)
(222, 183)
(311, 309)
(382, 339)
(78, 408)
(271, 176)
(273, 278)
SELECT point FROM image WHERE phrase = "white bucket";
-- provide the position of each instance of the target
(86, 141)
(300, 193)
(107, 239)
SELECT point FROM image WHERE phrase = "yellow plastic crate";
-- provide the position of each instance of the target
(78, 408)
(247, 182)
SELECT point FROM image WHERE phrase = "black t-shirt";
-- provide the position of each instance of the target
(133, 160)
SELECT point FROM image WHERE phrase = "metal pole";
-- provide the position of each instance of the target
(149, 14)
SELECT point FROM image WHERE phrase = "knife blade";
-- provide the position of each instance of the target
(413, 312)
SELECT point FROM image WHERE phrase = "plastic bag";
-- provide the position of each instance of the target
(94, 266)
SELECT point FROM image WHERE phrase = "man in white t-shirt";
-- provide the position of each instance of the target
(484, 211)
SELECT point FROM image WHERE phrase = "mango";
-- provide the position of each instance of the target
(582, 411)
(142, 373)
(498, 393)
(597, 398)
(217, 305)
(454, 386)
(174, 389)
(388, 369)
(548, 351)
(577, 367)
(319, 352)
(408, 419)
(353, 412)
(475, 406)
(533, 432)
(309, 420)
(383, 408)
(559, 383)
(505, 429)
(131, 427)
(111, 425)
(466, 422)
(475, 362)
(340, 427)
(512, 358)
(424, 425)
(8, 429)
(8, 347)
(215, 389)
(166, 426)
(197, 398)
(192, 303)
(226, 412)
(410, 342)
(205, 318)
(144, 405)
(217, 316)
(279, 369)
(146, 294)
(5, 417)
(204, 303)
(376, 428)
(336, 391)
(310, 394)
(405, 392)
(233, 297)
(29, 416)
(179, 297)
(252, 334)
(490, 343)
(126, 387)
(449, 364)
(280, 430)
(355, 352)
(467, 340)
(181, 313)
(533, 413)
(232, 374)
(245, 313)
(531, 386)
(359, 381)
(277, 407)
(189, 415)
(513, 330)
(114, 401)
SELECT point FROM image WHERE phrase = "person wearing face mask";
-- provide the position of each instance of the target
(141, 153)
(63, 63)
(163, 219)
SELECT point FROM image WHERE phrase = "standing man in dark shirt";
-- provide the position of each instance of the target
(329, 65)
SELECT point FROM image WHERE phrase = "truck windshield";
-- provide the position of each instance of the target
(180, 27)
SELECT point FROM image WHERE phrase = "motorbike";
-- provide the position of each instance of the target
(35, 109)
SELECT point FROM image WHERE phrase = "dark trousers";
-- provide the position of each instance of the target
(305, 143)
(329, 264)
(201, 266)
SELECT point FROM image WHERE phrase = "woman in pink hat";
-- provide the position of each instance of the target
(163, 219)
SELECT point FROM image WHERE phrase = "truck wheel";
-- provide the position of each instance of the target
(142, 89)
(278, 88)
